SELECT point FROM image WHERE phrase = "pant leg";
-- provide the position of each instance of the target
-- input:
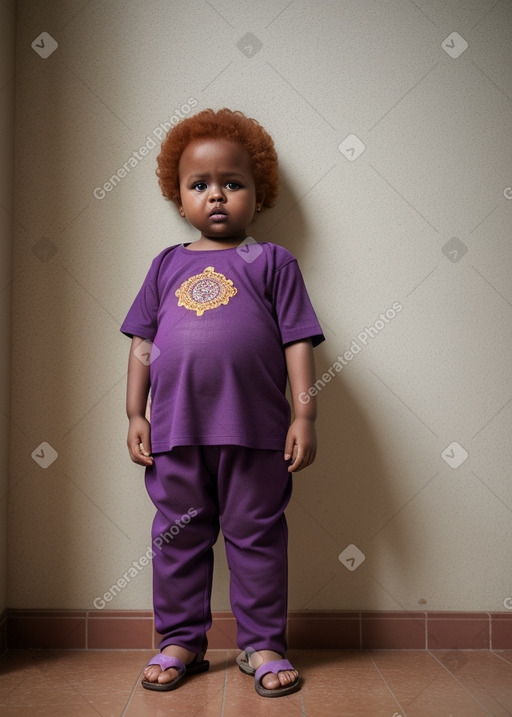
(254, 488)
(184, 531)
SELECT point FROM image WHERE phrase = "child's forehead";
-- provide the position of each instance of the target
(210, 152)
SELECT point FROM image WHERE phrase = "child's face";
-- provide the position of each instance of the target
(217, 190)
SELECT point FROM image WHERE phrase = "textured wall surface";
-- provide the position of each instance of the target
(7, 41)
(393, 124)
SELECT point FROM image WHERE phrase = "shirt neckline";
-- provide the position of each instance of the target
(206, 251)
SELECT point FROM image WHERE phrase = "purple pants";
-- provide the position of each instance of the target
(245, 491)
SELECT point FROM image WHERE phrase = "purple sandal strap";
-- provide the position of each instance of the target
(274, 667)
(165, 662)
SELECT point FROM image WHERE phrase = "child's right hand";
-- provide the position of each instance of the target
(139, 441)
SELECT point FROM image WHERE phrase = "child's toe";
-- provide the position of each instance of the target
(153, 673)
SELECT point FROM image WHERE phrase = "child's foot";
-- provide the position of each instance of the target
(271, 681)
(153, 673)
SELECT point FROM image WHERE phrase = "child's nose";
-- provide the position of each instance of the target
(216, 194)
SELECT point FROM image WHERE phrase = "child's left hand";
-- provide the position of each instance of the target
(300, 446)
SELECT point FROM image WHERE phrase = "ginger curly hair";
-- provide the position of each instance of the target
(224, 124)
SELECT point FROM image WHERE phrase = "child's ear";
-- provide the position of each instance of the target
(260, 198)
(180, 207)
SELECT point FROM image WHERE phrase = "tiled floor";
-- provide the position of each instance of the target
(55, 683)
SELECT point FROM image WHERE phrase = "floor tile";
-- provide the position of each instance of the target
(485, 676)
(504, 654)
(358, 683)
(424, 687)
(62, 682)
(343, 683)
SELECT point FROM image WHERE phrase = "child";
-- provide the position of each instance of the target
(227, 320)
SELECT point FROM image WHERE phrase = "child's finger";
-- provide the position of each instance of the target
(288, 448)
(297, 457)
(138, 454)
(303, 459)
(143, 450)
(145, 456)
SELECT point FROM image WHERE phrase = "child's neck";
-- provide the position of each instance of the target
(207, 244)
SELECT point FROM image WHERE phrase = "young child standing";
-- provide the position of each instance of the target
(227, 321)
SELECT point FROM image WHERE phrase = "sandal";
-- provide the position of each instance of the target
(243, 662)
(199, 664)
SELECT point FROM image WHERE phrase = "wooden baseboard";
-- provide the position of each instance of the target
(92, 629)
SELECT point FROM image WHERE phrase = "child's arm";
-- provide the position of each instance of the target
(139, 431)
(301, 438)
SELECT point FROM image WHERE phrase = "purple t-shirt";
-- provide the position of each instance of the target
(219, 321)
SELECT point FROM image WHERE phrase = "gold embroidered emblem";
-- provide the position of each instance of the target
(205, 291)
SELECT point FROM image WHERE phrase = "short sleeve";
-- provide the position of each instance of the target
(141, 319)
(295, 314)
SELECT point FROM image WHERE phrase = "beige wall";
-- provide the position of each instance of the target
(371, 232)
(7, 44)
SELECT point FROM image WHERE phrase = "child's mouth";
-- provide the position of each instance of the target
(218, 215)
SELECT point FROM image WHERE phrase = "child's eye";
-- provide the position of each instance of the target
(199, 186)
(233, 186)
